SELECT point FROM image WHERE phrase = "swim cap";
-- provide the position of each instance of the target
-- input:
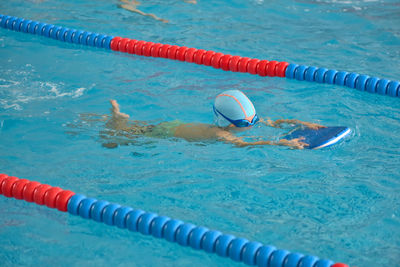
(234, 107)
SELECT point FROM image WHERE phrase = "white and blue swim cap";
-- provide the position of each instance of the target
(234, 107)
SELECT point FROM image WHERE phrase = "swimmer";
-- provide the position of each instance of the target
(132, 5)
(233, 111)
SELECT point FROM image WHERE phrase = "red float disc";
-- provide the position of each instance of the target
(29, 188)
(147, 49)
(172, 51)
(130, 46)
(252, 66)
(270, 70)
(207, 58)
(2, 178)
(340, 265)
(225, 62)
(50, 197)
(262, 66)
(216, 59)
(281, 69)
(233, 63)
(114, 43)
(181, 53)
(189, 57)
(243, 62)
(164, 50)
(139, 48)
(62, 200)
(38, 193)
(155, 50)
(199, 56)
(18, 188)
(7, 185)
(122, 44)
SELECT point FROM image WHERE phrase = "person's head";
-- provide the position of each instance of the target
(234, 107)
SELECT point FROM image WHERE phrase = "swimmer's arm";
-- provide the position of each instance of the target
(230, 138)
(132, 6)
(277, 123)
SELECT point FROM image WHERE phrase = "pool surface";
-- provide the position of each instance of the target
(340, 203)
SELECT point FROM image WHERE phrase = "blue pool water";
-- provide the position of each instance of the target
(340, 203)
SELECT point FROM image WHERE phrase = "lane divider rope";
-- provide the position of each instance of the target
(136, 220)
(202, 57)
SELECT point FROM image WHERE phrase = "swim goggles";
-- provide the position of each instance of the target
(238, 123)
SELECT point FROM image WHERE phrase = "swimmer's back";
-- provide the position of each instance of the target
(163, 130)
(197, 131)
(188, 131)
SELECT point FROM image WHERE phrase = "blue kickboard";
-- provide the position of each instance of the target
(319, 138)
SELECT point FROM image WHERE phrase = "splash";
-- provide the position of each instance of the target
(18, 93)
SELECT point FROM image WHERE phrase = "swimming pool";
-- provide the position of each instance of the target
(339, 203)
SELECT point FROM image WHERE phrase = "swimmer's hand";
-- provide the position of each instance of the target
(278, 123)
(313, 126)
(115, 110)
(293, 143)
